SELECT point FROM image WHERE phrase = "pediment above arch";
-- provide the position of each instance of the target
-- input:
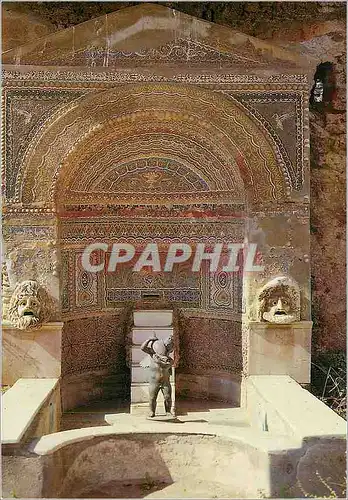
(207, 148)
(149, 34)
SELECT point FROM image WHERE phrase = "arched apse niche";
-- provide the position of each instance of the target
(158, 146)
(114, 146)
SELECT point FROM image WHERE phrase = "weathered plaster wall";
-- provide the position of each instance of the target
(32, 353)
(321, 26)
(19, 28)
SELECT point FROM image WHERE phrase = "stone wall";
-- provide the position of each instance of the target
(94, 360)
(210, 345)
(321, 27)
(210, 359)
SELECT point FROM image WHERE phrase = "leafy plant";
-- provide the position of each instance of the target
(329, 380)
(331, 492)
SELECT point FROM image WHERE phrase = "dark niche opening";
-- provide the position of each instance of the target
(324, 87)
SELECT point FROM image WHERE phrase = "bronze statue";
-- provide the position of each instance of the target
(160, 364)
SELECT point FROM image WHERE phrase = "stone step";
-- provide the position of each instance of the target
(137, 355)
(79, 420)
(150, 318)
(139, 375)
(143, 408)
(139, 335)
(93, 415)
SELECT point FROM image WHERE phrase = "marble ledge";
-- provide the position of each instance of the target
(263, 325)
(51, 326)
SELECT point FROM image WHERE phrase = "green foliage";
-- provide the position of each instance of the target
(313, 229)
(331, 492)
(329, 380)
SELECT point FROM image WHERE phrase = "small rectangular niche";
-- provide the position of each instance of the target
(152, 295)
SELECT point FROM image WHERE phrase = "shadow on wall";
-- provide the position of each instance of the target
(94, 360)
(82, 389)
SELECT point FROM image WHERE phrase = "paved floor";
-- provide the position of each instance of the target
(108, 413)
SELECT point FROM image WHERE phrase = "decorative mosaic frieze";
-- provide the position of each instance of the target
(13, 76)
(180, 50)
(182, 287)
(282, 114)
(29, 110)
(26, 113)
(123, 229)
(28, 233)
